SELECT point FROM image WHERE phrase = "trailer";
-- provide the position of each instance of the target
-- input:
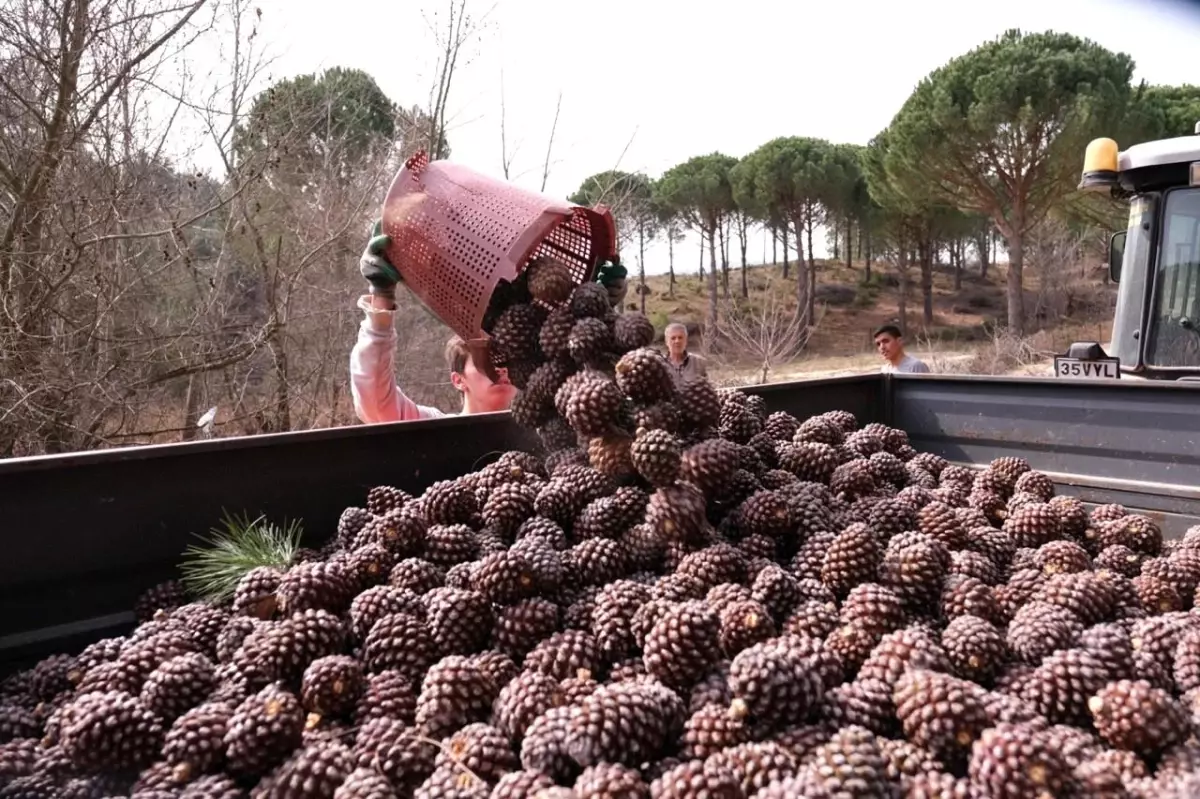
(87, 532)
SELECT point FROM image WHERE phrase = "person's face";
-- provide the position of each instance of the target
(888, 346)
(677, 342)
(478, 389)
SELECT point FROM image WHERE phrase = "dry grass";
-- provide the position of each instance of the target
(1003, 354)
(966, 336)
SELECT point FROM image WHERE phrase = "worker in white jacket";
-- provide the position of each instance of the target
(377, 398)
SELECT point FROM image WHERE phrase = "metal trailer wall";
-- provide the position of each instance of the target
(84, 534)
(1135, 443)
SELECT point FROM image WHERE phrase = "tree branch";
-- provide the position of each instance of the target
(550, 142)
(124, 72)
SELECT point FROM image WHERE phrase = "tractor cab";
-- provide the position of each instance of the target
(1155, 262)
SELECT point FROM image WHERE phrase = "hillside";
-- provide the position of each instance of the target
(966, 334)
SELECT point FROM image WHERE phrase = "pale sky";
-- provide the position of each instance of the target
(685, 79)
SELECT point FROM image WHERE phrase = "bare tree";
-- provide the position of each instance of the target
(321, 171)
(508, 156)
(139, 291)
(1055, 253)
(770, 330)
(454, 31)
(82, 181)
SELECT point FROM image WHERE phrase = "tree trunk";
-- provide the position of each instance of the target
(279, 421)
(983, 246)
(671, 262)
(785, 251)
(743, 235)
(724, 260)
(837, 239)
(849, 242)
(808, 233)
(812, 294)
(925, 255)
(191, 406)
(702, 234)
(802, 292)
(1016, 287)
(335, 404)
(726, 241)
(775, 245)
(902, 303)
(710, 330)
(868, 256)
(802, 283)
(282, 418)
(957, 247)
(642, 267)
(812, 269)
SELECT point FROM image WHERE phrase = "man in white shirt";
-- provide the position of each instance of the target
(890, 344)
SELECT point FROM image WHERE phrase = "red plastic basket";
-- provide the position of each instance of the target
(455, 234)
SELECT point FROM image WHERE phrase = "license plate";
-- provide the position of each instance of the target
(1074, 368)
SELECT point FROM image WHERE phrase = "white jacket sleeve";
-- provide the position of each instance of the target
(377, 398)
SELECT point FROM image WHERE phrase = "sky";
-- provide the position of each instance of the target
(646, 84)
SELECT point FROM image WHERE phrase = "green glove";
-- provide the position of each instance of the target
(375, 266)
(612, 275)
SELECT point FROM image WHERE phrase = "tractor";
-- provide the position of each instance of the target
(1155, 262)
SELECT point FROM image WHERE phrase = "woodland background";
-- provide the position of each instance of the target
(137, 293)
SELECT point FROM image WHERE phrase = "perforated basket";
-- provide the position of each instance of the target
(455, 234)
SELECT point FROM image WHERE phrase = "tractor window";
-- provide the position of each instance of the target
(1135, 273)
(1174, 335)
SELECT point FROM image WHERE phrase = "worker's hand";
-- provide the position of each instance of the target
(612, 275)
(375, 266)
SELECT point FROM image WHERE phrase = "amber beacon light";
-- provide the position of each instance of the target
(1099, 166)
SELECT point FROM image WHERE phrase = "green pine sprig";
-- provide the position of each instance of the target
(212, 571)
